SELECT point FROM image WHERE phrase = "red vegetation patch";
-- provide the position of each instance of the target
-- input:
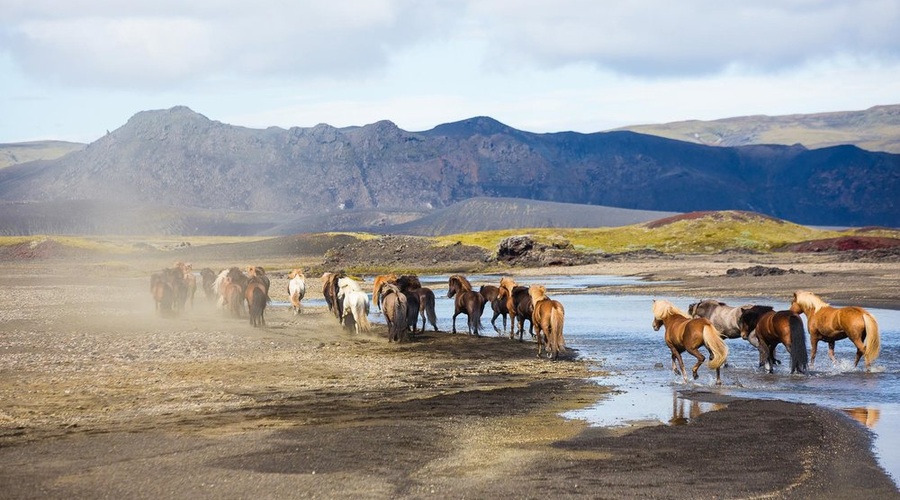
(844, 243)
(720, 216)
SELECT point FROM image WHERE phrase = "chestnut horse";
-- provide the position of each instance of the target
(467, 302)
(522, 309)
(257, 298)
(773, 328)
(491, 296)
(832, 324)
(684, 333)
(380, 280)
(548, 319)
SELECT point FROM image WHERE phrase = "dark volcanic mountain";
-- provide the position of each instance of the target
(179, 158)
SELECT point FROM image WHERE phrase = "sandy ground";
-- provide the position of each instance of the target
(102, 397)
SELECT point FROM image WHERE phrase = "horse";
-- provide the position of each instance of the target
(725, 318)
(522, 310)
(832, 324)
(772, 328)
(380, 280)
(395, 308)
(231, 276)
(548, 319)
(491, 296)
(190, 281)
(356, 304)
(208, 278)
(684, 333)
(467, 302)
(330, 290)
(162, 292)
(296, 289)
(233, 297)
(257, 298)
(421, 301)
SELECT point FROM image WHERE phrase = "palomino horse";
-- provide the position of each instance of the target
(296, 289)
(832, 324)
(773, 328)
(548, 322)
(467, 302)
(380, 280)
(355, 304)
(394, 306)
(491, 296)
(686, 334)
(257, 298)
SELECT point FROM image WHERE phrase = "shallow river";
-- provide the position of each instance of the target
(615, 330)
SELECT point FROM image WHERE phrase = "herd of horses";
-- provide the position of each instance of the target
(707, 323)
(404, 301)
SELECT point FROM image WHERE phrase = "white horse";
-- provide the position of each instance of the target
(355, 302)
(296, 289)
(219, 287)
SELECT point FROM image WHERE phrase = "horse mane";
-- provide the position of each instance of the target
(809, 299)
(538, 293)
(463, 282)
(295, 273)
(664, 308)
(508, 283)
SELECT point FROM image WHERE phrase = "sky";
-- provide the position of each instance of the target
(75, 69)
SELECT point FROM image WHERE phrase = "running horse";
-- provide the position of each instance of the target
(832, 324)
(380, 281)
(395, 308)
(355, 304)
(684, 333)
(296, 289)
(773, 328)
(421, 301)
(257, 296)
(548, 320)
(466, 302)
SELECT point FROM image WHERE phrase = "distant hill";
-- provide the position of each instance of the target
(379, 175)
(874, 129)
(23, 152)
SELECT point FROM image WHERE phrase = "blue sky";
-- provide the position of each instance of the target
(74, 69)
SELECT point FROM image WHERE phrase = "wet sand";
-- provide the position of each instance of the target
(100, 396)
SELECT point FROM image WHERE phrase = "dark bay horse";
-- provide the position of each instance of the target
(257, 298)
(522, 309)
(491, 296)
(832, 324)
(773, 328)
(467, 302)
(421, 301)
(548, 318)
(684, 333)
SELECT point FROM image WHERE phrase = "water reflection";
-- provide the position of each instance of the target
(867, 416)
(684, 410)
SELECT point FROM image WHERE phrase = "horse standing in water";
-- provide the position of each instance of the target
(684, 333)
(548, 321)
(773, 328)
(491, 296)
(421, 301)
(832, 324)
(296, 289)
(467, 302)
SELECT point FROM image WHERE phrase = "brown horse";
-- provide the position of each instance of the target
(832, 324)
(330, 289)
(233, 297)
(467, 302)
(257, 298)
(686, 334)
(380, 281)
(773, 328)
(395, 307)
(522, 310)
(163, 294)
(491, 296)
(548, 319)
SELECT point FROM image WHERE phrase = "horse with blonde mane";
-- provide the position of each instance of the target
(296, 289)
(548, 319)
(832, 324)
(686, 334)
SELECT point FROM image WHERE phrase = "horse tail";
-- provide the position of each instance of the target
(873, 338)
(799, 357)
(429, 311)
(716, 345)
(362, 315)
(557, 319)
(399, 324)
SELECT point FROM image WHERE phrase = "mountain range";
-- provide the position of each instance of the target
(380, 177)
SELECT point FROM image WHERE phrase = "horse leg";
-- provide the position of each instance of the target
(814, 345)
(831, 351)
(494, 324)
(700, 359)
(860, 350)
(540, 342)
(676, 356)
(454, 320)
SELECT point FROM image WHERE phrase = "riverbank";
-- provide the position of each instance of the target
(100, 396)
